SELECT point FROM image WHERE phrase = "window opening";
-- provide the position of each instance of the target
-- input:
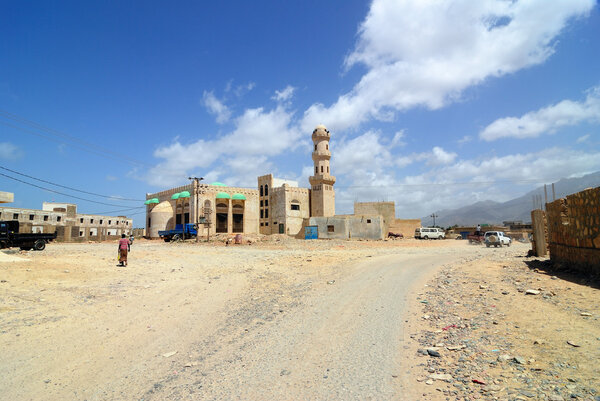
(295, 206)
(58, 218)
(330, 229)
(15, 216)
(31, 216)
(45, 218)
(266, 190)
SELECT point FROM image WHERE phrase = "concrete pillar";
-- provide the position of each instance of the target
(539, 246)
(230, 218)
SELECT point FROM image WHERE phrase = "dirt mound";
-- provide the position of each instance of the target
(8, 258)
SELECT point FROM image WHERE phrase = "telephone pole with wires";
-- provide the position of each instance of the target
(433, 215)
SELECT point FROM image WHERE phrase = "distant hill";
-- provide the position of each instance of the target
(515, 209)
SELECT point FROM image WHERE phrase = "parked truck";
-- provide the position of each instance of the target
(181, 232)
(478, 237)
(10, 237)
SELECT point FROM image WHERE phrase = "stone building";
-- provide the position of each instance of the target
(277, 206)
(69, 225)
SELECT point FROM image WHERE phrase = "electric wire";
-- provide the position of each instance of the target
(121, 210)
(68, 139)
(60, 193)
(71, 188)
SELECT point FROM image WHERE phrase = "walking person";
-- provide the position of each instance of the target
(124, 247)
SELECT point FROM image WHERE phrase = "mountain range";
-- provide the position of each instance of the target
(492, 212)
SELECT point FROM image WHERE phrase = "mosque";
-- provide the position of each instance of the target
(276, 206)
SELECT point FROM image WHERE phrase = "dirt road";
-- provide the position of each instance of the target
(285, 319)
(343, 342)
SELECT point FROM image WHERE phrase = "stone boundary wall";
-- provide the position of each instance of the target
(574, 230)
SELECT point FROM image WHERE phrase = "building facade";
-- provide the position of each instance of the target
(69, 225)
(276, 206)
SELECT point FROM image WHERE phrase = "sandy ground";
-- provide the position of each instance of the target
(280, 319)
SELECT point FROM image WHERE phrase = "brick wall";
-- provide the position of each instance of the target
(574, 230)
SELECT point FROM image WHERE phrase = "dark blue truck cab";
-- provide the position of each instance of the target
(180, 232)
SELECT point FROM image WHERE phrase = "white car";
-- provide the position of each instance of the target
(496, 238)
(429, 233)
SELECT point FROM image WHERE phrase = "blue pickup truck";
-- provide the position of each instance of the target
(180, 232)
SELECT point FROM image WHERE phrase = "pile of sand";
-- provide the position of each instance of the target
(6, 258)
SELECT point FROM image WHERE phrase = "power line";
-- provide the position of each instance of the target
(60, 193)
(83, 145)
(71, 188)
(121, 210)
(443, 184)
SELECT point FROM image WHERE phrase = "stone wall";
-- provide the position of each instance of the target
(574, 230)
(405, 227)
(385, 209)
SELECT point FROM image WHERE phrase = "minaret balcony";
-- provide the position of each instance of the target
(321, 179)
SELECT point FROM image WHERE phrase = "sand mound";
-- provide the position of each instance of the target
(6, 258)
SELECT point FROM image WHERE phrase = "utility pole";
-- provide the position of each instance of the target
(434, 216)
(196, 189)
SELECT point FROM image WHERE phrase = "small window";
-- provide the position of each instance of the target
(266, 224)
(266, 213)
(262, 213)
(15, 216)
(45, 218)
(110, 221)
(31, 216)
(274, 223)
(58, 218)
(101, 221)
(261, 190)
(330, 229)
(266, 190)
(91, 221)
(149, 222)
(91, 233)
(368, 221)
(81, 233)
(126, 223)
(295, 206)
(266, 202)
(328, 169)
(262, 224)
(321, 168)
(81, 220)
(327, 146)
(261, 203)
(316, 170)
(315, 147)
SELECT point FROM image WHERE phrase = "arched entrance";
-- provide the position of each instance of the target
(221, 223)
(238, 218)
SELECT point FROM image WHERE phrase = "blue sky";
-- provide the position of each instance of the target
(431, 104)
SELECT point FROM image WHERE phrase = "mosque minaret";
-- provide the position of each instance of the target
(322, 195)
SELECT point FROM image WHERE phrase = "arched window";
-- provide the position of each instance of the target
(321, 168)
(266, 189)
(316, 170)
(327, 169)
(261, 190)
(315, 147)
(327, 146)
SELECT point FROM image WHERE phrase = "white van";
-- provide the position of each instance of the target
(429, 233)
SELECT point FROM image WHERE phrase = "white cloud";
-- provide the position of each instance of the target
(397, 139)
(8, 151)
(546, 120)
(464, 140)
(242, 153)
(583, 138)
(425, 53)
(285, 94)
(463, 182)
(216, 107)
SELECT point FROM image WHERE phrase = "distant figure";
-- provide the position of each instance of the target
(131, 238)
(124, 247)
(478, 228)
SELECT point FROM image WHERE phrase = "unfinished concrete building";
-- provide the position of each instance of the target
(69, 225)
